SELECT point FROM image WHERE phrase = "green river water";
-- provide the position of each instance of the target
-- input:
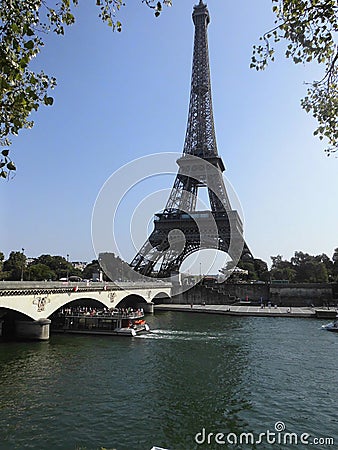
(194, 375)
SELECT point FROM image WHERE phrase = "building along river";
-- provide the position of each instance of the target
(195, 374)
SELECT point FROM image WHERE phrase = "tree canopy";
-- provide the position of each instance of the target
(13, 267)
(309, 26)
(305, 268)
(302, 268)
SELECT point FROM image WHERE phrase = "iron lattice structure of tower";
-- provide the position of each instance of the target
(180, 229)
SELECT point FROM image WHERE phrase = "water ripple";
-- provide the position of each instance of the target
(219, 373)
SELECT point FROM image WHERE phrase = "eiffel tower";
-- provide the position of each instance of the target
(181, 229)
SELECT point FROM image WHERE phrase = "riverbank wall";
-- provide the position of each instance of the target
(307, 294)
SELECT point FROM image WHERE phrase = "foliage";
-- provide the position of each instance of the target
(14, 266)
(158, 6)
(59, 267)
(335, 265)
(40, 272)
(2, 257)
(309, 268)
(310, 27)
(90, 269)
(23, 26)
(303, 268)
(257, 270)
(261, 269)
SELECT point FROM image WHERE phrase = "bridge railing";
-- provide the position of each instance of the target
(120, 315)
(64, 286)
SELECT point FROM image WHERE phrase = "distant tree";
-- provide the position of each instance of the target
(14, 266)
(57, 264)
(39, 272)
(2, 257)
(90, 269)
(335, 265)
(281, 269)
(309, 269)
(261, 269)
(328, 263)
(249, 266)
(335, 255)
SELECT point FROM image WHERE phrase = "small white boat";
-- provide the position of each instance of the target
(332, 326)
(133, 330)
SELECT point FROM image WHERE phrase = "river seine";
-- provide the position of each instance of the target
(197, 381)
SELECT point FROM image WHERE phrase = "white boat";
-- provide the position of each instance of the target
(332, 326)
(133, 330)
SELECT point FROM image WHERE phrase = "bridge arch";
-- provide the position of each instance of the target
(159, 297)
(84, 301)
(6, 311)
(132, 301)
(9, 317)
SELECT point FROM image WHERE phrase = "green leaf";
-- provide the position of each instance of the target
(11, 166)
(29, 45)
(48, 100)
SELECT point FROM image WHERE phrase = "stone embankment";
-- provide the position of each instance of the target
(282, 295)
(255, 311)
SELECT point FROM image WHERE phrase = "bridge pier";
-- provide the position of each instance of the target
(35, 329)
(147, 307)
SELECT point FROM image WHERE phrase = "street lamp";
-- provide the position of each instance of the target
(23, 263)
(67, 266)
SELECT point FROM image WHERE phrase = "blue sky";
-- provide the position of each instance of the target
(121, 96)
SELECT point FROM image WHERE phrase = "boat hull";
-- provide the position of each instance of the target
(114, 324)
(333, 327)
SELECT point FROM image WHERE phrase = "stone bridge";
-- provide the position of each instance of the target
(36, 302)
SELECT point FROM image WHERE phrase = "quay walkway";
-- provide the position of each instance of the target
(243, 310)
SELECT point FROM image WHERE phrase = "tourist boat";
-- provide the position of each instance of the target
(332, 326)
(114, 322)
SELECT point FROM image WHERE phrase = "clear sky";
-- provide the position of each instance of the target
(122, 96)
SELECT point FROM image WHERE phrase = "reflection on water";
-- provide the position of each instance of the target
(224, 374)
